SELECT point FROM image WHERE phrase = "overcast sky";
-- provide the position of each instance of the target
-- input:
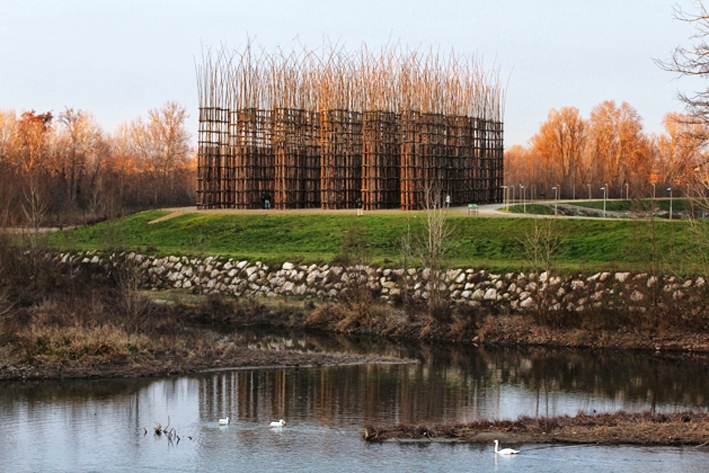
(118, 59)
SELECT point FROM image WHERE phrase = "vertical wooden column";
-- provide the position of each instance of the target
(381, 160)
(341, 158)
(410, 160)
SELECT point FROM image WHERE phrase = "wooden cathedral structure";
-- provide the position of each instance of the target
(343, 129)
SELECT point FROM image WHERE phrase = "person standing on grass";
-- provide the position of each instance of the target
(359, 203)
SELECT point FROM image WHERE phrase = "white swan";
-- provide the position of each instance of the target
(504, 451)
(276, 425)
(224, 421)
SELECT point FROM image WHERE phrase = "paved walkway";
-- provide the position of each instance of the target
(485, 210)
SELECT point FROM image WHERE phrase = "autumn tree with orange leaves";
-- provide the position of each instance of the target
(558, 149)
(582, 156)
(66, 169)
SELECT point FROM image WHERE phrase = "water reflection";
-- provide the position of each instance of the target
(459, 385)
(101, 422)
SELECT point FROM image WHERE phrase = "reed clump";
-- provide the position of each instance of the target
(644, 428)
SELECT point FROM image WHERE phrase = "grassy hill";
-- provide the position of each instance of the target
(493, 243)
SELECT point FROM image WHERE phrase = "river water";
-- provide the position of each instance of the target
(100, 425)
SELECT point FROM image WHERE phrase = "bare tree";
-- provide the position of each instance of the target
(692, 60)
(433, 248)
(162, 145)
(80, 141)
(33, 147)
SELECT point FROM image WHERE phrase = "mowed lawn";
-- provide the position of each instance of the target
(473, 241)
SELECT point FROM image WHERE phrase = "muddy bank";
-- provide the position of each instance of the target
(460, 324)
(201, 333)
(679, 428)
(176, 362)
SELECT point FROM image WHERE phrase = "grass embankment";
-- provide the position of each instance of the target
(494, 243)
(677, 428)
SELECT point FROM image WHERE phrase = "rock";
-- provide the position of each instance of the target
(385, 283)
(637, 296)
(621, 277)
(527, 303)
(288, 266)
(490, 294)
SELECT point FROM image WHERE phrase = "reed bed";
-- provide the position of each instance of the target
(644, 428)
(331, 128)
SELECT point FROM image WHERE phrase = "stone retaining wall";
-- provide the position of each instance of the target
(511, 292)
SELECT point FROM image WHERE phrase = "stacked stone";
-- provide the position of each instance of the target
(513, 292)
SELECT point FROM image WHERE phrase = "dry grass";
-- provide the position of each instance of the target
(646, 428)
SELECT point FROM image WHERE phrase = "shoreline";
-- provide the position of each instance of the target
(210, 340)
(173, 364)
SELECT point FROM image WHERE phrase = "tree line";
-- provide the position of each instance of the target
(65, 169)
(608, 152)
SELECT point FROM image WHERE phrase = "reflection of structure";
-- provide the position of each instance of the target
(323, 133)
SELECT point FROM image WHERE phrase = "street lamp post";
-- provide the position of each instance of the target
(626, 191)
(556, 200)
(669, 189)
(504, 197)
(589, 191)
(653, 191)
(524, 202)
(604, 200)
(513, 194)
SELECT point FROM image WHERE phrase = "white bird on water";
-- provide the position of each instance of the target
(224, 421)
(277, 424)
(505, 451)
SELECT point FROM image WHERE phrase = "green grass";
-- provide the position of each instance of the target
(621, 205)
(494, 243)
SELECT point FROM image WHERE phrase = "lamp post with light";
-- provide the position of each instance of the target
(604, 200)
(556, 200)
(669, 189)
